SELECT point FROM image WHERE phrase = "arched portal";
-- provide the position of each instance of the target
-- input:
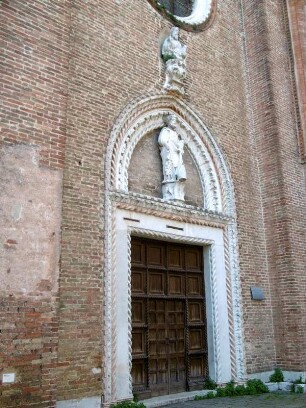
(212, 227)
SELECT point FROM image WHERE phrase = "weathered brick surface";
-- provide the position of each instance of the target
(34, 78)
(280, 175)
(297, 20)
(34, 75)
(70, 67)
(29, 349)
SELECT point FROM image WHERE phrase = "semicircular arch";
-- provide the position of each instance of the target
(146, 114)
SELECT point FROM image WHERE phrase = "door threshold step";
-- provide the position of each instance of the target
(173, 398)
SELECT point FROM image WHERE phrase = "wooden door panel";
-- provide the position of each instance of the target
(138, 253)
(175, 312)
(139, 311)
(139, 282)
(157, 312)
(177, 374)
(176, 341)
(196, 339)
(139, 341)
(195, 286)
(158, 342)
(176, 284)
(156, 284)
(156, 255)
(168, 318)
(177, 369)
(193, 259)
(195, 311)
(175, 258)
(159, 372)
(175, 318)
(198, 367)
(139, 373)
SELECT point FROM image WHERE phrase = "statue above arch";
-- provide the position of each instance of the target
(171, 150)
(174, 57)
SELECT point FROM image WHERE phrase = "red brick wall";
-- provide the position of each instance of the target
(35, 67)
(218, 74)
(112, 66)
(34, 80)
(114, 60)
(280, 174)
(29, 339)
(297, 19)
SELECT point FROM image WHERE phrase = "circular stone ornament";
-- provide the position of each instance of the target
(200, 18)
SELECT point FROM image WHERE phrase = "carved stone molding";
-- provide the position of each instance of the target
(139, 232)
(232, 246)
(177, 211)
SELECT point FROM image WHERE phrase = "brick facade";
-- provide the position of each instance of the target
(297, 21)
(35, 57)
(69, 70)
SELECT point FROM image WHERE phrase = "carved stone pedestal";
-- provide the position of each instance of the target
(175, 74)
(173, 190)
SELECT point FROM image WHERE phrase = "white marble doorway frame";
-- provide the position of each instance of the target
(211, 239)
(213, 227)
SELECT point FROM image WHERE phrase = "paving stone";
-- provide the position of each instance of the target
(271, 400)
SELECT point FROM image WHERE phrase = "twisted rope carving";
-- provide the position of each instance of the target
(142, 232)
(214, 292)
(236, 298)
(114, 306)
(230, 306)
(130, 311)
(107, 301)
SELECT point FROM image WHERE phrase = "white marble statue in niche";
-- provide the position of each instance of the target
(174, 56)
(171, 150)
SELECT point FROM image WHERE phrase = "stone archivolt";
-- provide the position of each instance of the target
(147, 114)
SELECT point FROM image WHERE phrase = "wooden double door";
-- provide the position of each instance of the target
(169, 347)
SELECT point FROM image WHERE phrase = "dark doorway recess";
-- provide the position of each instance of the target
(169, 346)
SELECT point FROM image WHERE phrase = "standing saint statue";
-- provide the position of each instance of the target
(171, 150)
(174, 56)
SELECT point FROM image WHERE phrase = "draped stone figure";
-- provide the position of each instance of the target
(174, 56)
(171, 150)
